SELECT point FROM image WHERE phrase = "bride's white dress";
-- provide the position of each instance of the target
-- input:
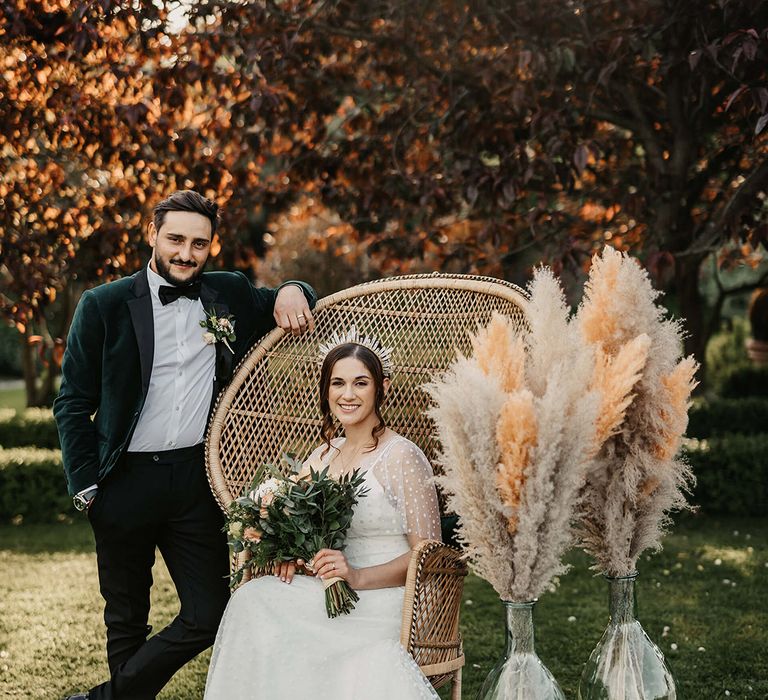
(275, 640)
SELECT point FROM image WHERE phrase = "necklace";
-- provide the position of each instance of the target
(348, 461)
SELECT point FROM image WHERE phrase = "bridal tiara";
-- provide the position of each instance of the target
(367, 341)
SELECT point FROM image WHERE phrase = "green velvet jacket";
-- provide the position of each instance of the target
(108, 362)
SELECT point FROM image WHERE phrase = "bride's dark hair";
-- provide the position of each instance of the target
(373, 365)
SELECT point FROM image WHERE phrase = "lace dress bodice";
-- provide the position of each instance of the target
(401, 499)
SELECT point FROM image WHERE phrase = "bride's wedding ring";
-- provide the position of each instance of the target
(300, 316)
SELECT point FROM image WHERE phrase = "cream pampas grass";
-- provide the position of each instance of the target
(576, 415)
(517, 425)
(467, 411)
(635, 479)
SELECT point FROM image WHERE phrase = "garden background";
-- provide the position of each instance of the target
(348, 141)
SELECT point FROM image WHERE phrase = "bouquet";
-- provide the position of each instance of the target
(284, 518)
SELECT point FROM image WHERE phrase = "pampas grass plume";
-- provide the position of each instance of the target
(679, 384)
(636, 480)
(614, 378)
(516, 433)
(598, 324)
(500, 352)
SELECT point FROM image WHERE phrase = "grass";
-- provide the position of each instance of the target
(705, 593)
(13, 398)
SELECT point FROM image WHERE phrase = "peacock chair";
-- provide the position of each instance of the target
(271, 407)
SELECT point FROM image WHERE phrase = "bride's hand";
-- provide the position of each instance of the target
(330, 563)
(285, 570)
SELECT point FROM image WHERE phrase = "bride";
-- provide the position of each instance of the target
(275, 640)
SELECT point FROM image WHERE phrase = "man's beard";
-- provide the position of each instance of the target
(167, 274)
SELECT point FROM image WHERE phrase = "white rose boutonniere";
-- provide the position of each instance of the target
(219, 329)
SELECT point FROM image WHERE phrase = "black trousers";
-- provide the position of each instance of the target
(158, 500)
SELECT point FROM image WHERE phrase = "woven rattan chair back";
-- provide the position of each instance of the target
(271, 406)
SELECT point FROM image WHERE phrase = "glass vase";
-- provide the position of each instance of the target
(626, 664)
(519, 674)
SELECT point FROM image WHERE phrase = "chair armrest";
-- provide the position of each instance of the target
(433, 589)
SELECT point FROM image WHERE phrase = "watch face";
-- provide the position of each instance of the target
(80, 503)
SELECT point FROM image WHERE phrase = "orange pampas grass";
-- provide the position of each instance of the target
(500, 352)
(614, 378)
(599, 324)
(679, 384)
(516, 434)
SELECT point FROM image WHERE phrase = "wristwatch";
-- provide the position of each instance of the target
(80, 501)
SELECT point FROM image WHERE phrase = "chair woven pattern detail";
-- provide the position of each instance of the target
(271, 407)
(434, 589)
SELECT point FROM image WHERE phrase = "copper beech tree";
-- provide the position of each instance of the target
(477, 136)
(478, 132)
(94, 129)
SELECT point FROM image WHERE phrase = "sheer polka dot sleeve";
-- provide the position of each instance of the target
(408, 481)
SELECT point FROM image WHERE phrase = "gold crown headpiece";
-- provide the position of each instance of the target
(367, 341)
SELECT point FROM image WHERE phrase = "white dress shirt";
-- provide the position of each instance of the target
(175, 412)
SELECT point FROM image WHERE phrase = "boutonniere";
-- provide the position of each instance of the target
(219, 329)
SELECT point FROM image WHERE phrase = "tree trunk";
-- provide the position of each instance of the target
(29, 368)
(692, 311)
(41, 362)
(41, 354)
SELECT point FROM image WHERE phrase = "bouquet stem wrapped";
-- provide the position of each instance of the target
(340, 597)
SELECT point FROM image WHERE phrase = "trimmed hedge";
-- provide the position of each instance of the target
(731, 473)
(33, 488)
(10, 351)
(746, 381)
(33, 426)
(747, 416)
(727, 353)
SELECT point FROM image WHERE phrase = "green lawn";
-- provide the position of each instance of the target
(705, 593)
(13, 398)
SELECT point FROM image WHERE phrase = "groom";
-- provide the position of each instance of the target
(139, 378)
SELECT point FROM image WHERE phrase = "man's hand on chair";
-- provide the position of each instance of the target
(292, 310)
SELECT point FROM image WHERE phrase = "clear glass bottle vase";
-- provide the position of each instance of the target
(626, 664)
(519, 674)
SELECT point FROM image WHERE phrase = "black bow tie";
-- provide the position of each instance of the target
(168, 294)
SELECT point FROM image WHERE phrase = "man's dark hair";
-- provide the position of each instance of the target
(187, 200)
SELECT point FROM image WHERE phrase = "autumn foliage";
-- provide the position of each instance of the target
(477, 137)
